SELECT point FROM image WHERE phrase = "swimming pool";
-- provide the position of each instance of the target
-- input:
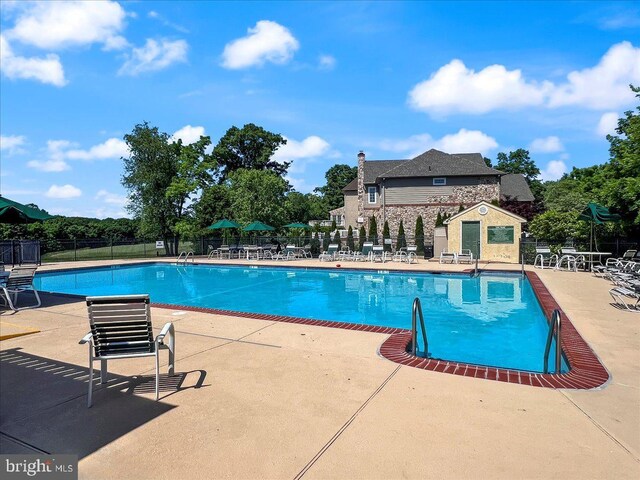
(493, 319)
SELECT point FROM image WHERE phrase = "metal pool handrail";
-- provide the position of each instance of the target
(554, 327)
(417, 308)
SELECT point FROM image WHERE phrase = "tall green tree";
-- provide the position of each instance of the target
(419, 235)
(373, 230)
(296, 206)
(402, 239)
(350, 242)
(257, 195)
(337, 240)
(386, 234)
(362, 237)
(337, 177)
(161, 176)
(251, 148)
(519, 161)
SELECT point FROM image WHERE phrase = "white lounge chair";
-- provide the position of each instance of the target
(330, 254)
(121, 328)
(364, 254)
(20, 280)
(448, 257)
(544, 257)
(465, 256)
(620, 294)
(378, 254)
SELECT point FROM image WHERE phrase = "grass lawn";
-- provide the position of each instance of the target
(139, 250)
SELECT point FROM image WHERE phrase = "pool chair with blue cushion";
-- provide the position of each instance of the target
(19, 281)
(121, 328)
(364, 254)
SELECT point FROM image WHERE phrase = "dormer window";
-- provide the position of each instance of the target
(372, 192)
(439, 181)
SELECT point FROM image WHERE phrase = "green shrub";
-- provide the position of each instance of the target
(350, 242)
(419, 236)
(402, 239)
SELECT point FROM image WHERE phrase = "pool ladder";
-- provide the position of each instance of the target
(184, 257)
(417, 309)
(554, 328)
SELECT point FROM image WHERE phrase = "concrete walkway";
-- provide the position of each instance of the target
(261, 399)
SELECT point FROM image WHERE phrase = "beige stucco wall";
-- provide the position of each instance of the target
(499, 252)
(351, 210)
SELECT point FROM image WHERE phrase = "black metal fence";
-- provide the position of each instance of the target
(19, 252)
(65, 250)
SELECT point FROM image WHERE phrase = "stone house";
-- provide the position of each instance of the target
(432, 182)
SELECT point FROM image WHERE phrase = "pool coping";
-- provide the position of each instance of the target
(586, 369)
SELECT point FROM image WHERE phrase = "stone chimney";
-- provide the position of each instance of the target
(361, 192)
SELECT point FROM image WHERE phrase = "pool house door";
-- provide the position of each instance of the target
(471, 238)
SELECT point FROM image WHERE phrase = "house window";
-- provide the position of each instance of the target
(372, 194)
(439, 181)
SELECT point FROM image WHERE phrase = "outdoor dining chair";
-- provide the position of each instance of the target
(121, 328)
(20, 280)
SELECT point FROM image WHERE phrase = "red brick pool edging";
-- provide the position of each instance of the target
(586, 370)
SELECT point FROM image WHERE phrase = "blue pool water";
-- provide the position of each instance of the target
(492, 319)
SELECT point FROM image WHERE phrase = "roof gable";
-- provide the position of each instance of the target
(513, 186)
(489, 205)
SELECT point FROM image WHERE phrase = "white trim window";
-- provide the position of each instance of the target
(439, 181)
(372, 194)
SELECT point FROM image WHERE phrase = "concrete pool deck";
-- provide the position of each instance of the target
(262, 399)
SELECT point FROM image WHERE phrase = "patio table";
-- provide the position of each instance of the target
(591, 256)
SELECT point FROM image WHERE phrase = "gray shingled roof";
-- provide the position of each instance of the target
(513, 186)
(352, 186)
(435, 163)
(373, 169)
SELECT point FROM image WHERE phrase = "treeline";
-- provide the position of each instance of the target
(70, 228)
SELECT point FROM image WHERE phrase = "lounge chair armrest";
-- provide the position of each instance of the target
(86, 339)
(166, 330)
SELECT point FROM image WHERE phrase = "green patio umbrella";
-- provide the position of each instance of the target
(258, 226)
(298, 225)
(597, 215)
(14, 212)
(224, 223)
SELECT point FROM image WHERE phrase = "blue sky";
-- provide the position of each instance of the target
(393, 79)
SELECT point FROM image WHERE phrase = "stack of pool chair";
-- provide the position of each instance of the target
(448, 257)
(378, 254)
(624, 273)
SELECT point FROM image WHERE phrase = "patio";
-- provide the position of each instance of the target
(264, 399)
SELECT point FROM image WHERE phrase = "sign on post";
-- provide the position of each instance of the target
(159, 244)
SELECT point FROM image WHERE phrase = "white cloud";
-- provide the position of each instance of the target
(46, 70)
(546, 145)
(64, 191)
(111, 148)
(301, 152)
(554, 170)
(104, 212)
(604, 86)
(49, 165)
(326, 62)
(607, 124)
(56, 25)
(464, 141)
(188, 134)
(454, 88)
(111, 198)
(154, 56)
(266, 42)
(12, 143)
